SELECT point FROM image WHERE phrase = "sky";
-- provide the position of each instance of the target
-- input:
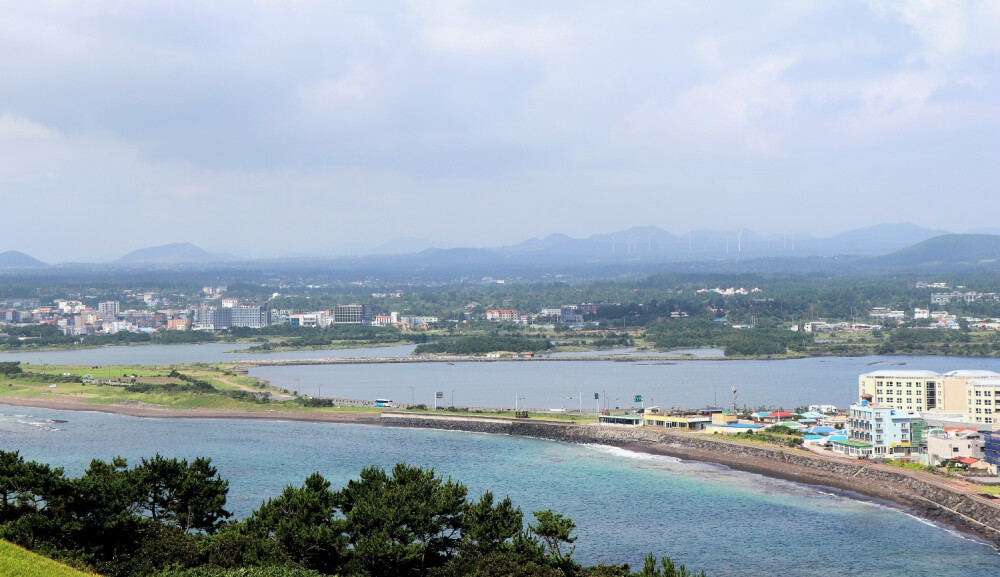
(275, 128)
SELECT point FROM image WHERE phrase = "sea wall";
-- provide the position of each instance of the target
(921, 493)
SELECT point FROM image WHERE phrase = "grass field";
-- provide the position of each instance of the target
(17, 562)
(38, 380)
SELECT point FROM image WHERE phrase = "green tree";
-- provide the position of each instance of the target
(303, 524)
(174, 492)
(555, 532)
(32, 499)
(402, 523)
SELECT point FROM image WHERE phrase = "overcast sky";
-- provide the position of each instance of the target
(267, 128)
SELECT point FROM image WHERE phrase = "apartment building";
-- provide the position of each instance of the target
(983, 402)
(903, 390)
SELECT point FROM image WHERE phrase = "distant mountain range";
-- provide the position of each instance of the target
(652, 243)
(16, 259)
(890, 246)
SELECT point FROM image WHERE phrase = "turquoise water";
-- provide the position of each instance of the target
(625, 504)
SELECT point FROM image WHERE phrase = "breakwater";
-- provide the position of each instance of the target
(463, 359)
(934, 499)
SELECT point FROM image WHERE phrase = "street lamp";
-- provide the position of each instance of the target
(319, 391)
(453, 398)
(516, 399)
(413, 397)
(298, 387)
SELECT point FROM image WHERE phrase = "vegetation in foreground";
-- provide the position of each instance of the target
(17, 561)
(166, 517)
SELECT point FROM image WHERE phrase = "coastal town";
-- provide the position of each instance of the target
(946, 420)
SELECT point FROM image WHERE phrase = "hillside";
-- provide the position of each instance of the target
(180, 252)
(17, 561)
(946, 251)
(17, 259)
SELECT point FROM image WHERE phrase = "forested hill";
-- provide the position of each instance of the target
(945, 251)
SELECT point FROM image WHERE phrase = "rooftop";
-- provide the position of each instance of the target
(902, 374)
(966, 373)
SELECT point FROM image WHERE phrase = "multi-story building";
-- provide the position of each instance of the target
(254, 317)
(500, 315)
(353, 314)
(881, 432)
(954, 386)
(923, 391)
(983, 402)
(903, 390)
(307, 319)
(212, 318)
(109, 308)
(383, 320)
(414, 320)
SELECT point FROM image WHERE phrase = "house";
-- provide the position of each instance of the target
(628, 420)
(685, 422)
(732, 428)
(953, 443)
(776, 417)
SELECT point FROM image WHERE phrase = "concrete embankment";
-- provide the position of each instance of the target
(926, 496)
(250, 362)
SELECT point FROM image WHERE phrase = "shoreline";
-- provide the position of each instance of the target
(941, 501)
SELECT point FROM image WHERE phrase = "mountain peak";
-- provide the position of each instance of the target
(17, 259)
(178, 252)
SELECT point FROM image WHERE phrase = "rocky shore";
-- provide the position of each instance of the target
(945, 501)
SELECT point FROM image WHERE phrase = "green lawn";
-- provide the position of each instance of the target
(17, 561)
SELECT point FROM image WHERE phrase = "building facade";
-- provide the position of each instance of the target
(352, 314)
(888, 432)
(499, 315)
(983, 402)
(903, 390)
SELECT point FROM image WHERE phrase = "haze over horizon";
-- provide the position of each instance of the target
(271, 129)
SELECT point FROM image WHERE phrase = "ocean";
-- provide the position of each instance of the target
(624, 504)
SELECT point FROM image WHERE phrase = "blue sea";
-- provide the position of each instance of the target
(625, 504)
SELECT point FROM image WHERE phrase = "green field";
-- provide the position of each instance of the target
(15, 561)
(171, 387)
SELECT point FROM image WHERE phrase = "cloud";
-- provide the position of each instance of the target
(386, 111)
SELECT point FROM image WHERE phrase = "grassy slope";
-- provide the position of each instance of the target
(15, 561)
